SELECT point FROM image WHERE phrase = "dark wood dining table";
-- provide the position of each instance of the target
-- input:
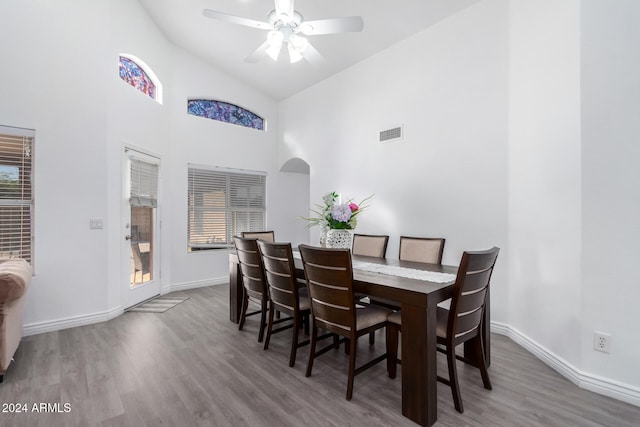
(418, 300)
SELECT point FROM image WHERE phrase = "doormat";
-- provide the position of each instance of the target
(157, 305)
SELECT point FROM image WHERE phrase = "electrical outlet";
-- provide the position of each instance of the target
(602, 342)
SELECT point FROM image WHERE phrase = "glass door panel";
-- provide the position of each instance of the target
(141, 270)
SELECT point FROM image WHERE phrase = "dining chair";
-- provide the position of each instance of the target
(417, 249)
(253, 280)
(329, 276)
(421, 249)
(267, 236)
(141, 262)
(370, 245)
(285, 294)
(461, 323)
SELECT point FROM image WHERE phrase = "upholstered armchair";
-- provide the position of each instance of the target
(15, 277)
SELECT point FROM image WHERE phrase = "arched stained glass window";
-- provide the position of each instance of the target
(133, 74)
(224, 112)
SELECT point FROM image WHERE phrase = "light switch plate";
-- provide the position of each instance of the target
(96, 224)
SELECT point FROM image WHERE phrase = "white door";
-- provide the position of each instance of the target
(140, 223)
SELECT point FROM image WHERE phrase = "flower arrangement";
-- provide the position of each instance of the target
(337, 216)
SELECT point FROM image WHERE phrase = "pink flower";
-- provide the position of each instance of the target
(353, 207)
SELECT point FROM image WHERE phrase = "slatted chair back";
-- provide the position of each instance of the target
(253, 281)
(370, 245)
(329, 279)
(469, 294)
(251, 267)
(421, 249)
(280, 275)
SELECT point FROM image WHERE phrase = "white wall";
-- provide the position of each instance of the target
(448, 176)
(208, 142)
(521, 131)
(573, 177)
(55, 81)
(611, 192)
(62, 80)
(545, 175)
(291, 195)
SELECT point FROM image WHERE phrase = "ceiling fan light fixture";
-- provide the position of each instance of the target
(294, 55)
(286, 25)
(299, 43)
(273, 51)
(275, 39)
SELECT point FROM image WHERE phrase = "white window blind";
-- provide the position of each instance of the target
(16, 193)
(144, 184)
(223, 203)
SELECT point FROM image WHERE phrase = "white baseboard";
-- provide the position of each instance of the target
(71, 322)
(596, 384)
(197, 284)
(89, 319)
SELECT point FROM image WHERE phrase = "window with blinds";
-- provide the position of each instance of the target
(16, 193)
(223, 203)
(144, 184)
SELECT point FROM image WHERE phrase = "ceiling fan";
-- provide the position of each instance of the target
(285, 25)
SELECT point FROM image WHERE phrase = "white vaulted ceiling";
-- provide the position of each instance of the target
(226, 45)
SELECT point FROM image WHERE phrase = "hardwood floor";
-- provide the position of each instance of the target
(190, 366)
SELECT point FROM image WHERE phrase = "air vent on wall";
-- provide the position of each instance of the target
(393, 134)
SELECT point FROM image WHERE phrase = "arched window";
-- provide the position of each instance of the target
(224, 112)
(139, 76)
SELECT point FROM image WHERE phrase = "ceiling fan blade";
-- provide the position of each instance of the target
(259, 54)
(284, 7)
(312, 55)
(348, 24)
(221, 16)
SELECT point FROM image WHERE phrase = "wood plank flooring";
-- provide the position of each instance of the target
(190, 366)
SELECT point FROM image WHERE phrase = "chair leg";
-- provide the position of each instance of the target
(312, 349)
(352, 366)
(243, 314)
(392, 349)
(294, 340)
(453, 378)
(372, 338)
(263, 321)
(305, 321)
(269, 328)
(483, 364)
